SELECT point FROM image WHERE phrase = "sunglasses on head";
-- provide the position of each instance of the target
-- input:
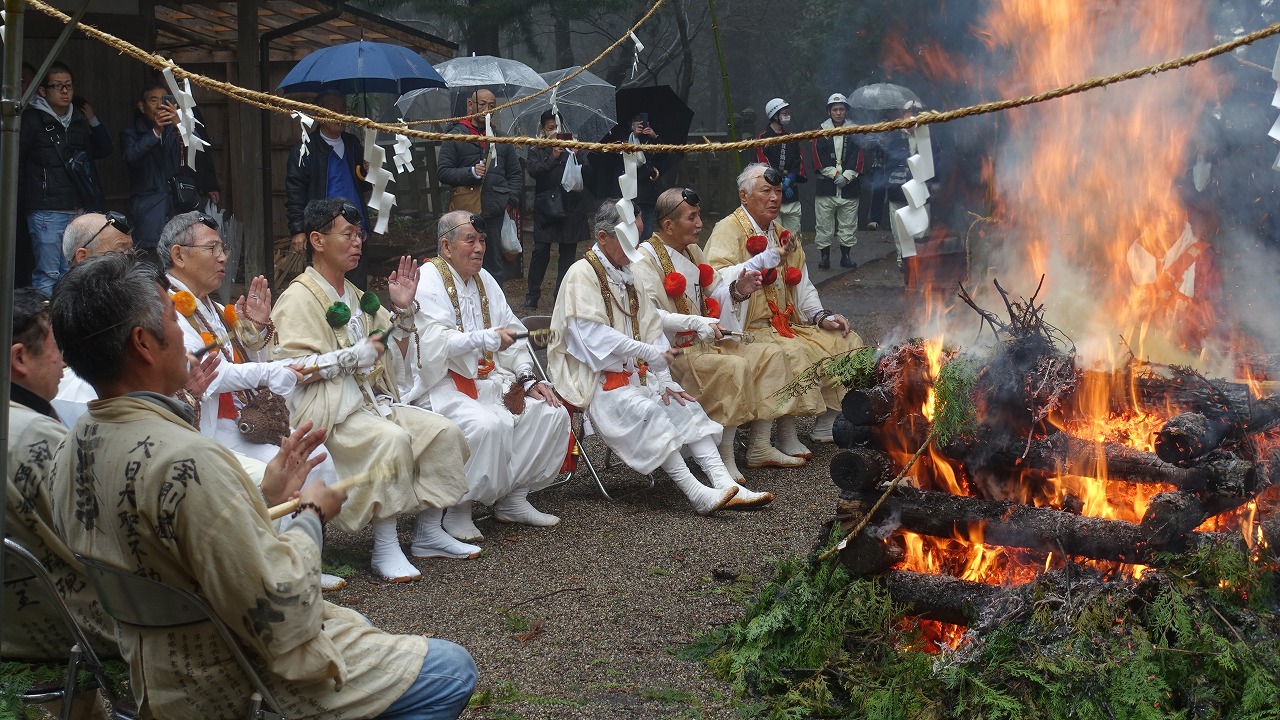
(474, 221)
(773, 176)
(115, 220)
(347, 212)
(687, 197)
(207, 220)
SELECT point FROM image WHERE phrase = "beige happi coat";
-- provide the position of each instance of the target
(137, 487)
(727, 247)
(34, 628)
(427, 449)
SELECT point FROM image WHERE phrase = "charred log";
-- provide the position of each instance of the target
(940, 597)
(1189, 436)
(866, 555)
(860, 469)
(869, 406)
(846, 435)
(1170, 517)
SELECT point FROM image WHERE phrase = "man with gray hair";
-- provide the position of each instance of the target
(96, 233)
(611, 358)
(476, 371)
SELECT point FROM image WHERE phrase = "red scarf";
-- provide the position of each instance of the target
(467, 123)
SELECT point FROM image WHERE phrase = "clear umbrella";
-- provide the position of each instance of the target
(504, 78)
(881, 97)
(585, 103)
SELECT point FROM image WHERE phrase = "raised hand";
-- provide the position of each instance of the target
(402, 284)
(288, 470)
(256, 307)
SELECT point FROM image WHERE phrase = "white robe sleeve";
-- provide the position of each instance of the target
(604, 349)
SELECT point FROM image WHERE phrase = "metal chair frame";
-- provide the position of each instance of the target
(20, 566)
(542, 322)
(136, 600)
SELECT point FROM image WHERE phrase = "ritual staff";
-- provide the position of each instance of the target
(787, 311)
(339, 333)
(477, 372)
(733, 380)
(34, 630)
(137, 488)
(610, 357)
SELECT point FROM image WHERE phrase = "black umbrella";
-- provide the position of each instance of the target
(669, 116)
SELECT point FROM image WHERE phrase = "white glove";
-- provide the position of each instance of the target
(829, 172)
(840, 181)
(675, 323)
(281, 380)
(765, 260)
(346, 361)
(849, 176)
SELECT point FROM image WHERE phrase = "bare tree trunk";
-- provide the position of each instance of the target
(564, 39)
(482, 33)
(684, 76)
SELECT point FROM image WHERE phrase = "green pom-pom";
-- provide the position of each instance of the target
(338, 314)
(370, 303)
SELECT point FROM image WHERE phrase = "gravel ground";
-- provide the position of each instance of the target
(583, 620)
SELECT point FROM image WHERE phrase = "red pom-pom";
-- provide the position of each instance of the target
(706, 275)
(756, 244)
(713, 307)
(770, 276)
(784, 237)
(792, 276)
(674, 283)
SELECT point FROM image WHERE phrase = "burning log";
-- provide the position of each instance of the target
(860, 469)
(869, 406)
(940, 597)
(1191, 435)
(1171, 516)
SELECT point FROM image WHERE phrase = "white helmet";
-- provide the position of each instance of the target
(775, 106)
(837, 98)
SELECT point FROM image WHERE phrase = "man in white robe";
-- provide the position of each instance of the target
(473, 353)
(610, 358)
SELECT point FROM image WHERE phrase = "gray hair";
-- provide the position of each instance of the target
(752, 171)
(80, 234)
(448, 224)
(95, 308)
(178, 231)
(606, 218)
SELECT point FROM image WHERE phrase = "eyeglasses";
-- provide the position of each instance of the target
(474, 221)
(349, 235)
(58, 87)
(687, 197)
(773, 176)
(115, 220)
(218, 248)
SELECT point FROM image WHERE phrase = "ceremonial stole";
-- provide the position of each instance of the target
(210, 335)
(466, 385)
(366, 381)
(615, 380)
(778, 317)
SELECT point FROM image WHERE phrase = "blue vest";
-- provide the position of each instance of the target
(339, 182)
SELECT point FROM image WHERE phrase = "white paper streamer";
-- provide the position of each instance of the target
(377, 176)
(635, 61)
(921, 163)
(186, 116)
(492, 162)
(627, 232)
(307, 122)
(555, 109)
(915, 221)
(404, 154)
(917, 192)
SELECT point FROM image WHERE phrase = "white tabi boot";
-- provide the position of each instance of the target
(762, 454)
(821, 432)
(458, 523)
(516, 508)
(726, 453)
(431, 541)
(788, 442)
(705, 500)
(388, 558)
(709, 460)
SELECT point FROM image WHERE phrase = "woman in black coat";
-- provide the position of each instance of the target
(559, 217)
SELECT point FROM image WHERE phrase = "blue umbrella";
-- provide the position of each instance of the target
(362, 67)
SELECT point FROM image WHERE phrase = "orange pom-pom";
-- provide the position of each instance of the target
(706, 275)
(185, 303)
(770, 276)
(757, 244)
(674, 283)
(713, 307)
(792, 276)
(229, 315)
(207, 338)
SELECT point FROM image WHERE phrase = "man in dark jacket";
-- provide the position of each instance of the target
(333, 167)
(838, 162)
(486, 177)
(786, 159)
(154, 152)
(59, 140)
(565, 229)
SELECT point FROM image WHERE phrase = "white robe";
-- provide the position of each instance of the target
(508, 451)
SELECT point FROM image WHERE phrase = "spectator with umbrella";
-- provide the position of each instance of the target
(559, 213)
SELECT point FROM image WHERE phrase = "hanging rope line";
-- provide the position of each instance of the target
(284, 105)
(625, 37)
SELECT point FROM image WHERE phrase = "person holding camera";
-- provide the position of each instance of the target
(652, 175)
(160, 184)
(60, 139)
(559, 215)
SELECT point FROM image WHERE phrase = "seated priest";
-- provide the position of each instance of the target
(733, 379)
(476, 371)
(610, 357)
(340, 333)
(786, 311)
(135, 486)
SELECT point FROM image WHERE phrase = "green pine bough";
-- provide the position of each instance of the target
(1198, 640)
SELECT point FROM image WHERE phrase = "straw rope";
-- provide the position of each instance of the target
(562, 80)
(279, 104)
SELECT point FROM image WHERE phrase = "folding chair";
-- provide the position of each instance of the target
(136, 600)
(22, 566)
(577, 417)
